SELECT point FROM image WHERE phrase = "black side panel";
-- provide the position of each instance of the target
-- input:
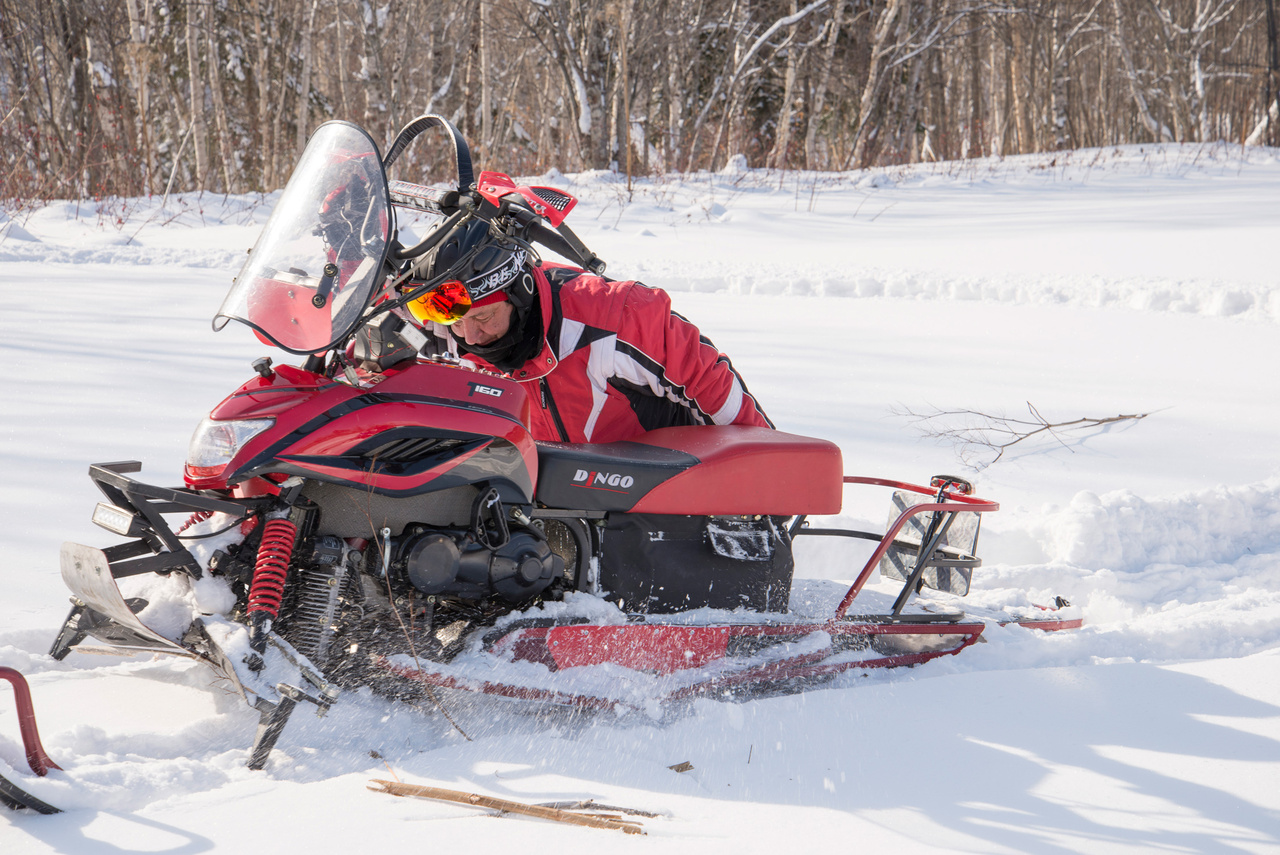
(659, 563)
(610, 476)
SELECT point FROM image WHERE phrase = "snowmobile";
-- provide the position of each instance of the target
(381, 516)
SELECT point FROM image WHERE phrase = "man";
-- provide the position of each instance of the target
(603, 360)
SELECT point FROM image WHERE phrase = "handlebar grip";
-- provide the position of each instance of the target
(557, 241)
(423, 198)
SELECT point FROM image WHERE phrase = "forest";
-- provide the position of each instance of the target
(104, 98)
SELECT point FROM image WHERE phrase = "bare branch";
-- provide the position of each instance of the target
(975, 434)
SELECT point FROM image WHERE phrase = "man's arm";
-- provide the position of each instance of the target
(659, 349)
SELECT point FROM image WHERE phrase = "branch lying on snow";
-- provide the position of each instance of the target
(503, 806)
(980, 432)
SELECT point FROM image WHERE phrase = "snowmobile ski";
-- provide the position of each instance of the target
(11, 795)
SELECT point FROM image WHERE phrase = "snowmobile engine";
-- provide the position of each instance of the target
(451, 563)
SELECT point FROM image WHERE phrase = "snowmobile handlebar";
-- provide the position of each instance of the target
(457, 205)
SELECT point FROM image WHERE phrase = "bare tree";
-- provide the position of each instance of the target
(99, 97)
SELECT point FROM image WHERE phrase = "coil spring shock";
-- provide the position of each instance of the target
(274, 554)
(197, 517)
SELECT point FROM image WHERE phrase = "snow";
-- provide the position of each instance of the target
(1094, 283)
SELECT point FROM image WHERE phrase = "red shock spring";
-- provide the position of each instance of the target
(273, 565)
(197, 517)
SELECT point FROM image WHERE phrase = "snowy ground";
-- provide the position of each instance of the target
(1140, 280)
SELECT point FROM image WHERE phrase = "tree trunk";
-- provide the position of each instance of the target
(974, 138)
(1020, 94)
(624, 28)
(866, 104)
(782, 137)
(230, 173)
(814, 116)
(1154, 128)
(140, 70)
(303, 120)
(262, 76)
(486, 108)
(195, 82)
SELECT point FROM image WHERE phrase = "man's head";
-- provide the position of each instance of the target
(486, 322)
(472, 268)
(486, 293)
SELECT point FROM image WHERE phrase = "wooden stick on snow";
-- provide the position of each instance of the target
(396, 788)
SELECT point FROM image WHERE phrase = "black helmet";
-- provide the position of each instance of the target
(483, 263)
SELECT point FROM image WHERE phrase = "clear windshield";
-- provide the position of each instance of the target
(310, 276)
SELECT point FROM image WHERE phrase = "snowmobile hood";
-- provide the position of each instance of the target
(287, 387)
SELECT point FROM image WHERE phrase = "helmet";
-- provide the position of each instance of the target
(473, 256)
(472, 266)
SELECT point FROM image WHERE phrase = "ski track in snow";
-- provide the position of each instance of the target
(1156, 726)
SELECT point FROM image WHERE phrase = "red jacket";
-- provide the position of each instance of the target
(617, 361)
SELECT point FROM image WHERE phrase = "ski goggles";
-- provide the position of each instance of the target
(443, 304)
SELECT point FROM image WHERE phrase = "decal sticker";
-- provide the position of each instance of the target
(479, 389)
(612, 481)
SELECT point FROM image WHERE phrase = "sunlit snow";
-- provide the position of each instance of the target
(1090, 284)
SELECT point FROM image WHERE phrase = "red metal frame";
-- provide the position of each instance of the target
(956, 502)
(39, 761)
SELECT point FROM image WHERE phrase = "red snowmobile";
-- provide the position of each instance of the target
(374, 517)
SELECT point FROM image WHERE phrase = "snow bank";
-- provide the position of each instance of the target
(1125, 533)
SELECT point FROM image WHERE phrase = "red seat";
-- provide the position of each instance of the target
(746, 470)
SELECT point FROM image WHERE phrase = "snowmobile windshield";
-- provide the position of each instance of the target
(322, 253)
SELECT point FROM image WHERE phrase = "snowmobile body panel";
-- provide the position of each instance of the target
(286, 387)
(421, 428)
(747, 470)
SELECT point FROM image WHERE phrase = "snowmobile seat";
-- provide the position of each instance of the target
(712, 471)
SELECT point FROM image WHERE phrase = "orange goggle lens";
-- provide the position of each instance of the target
(443, 304)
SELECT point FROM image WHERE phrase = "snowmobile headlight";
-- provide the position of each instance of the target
(215, 443)
(116, 519)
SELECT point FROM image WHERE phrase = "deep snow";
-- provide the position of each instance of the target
(1139, 280)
